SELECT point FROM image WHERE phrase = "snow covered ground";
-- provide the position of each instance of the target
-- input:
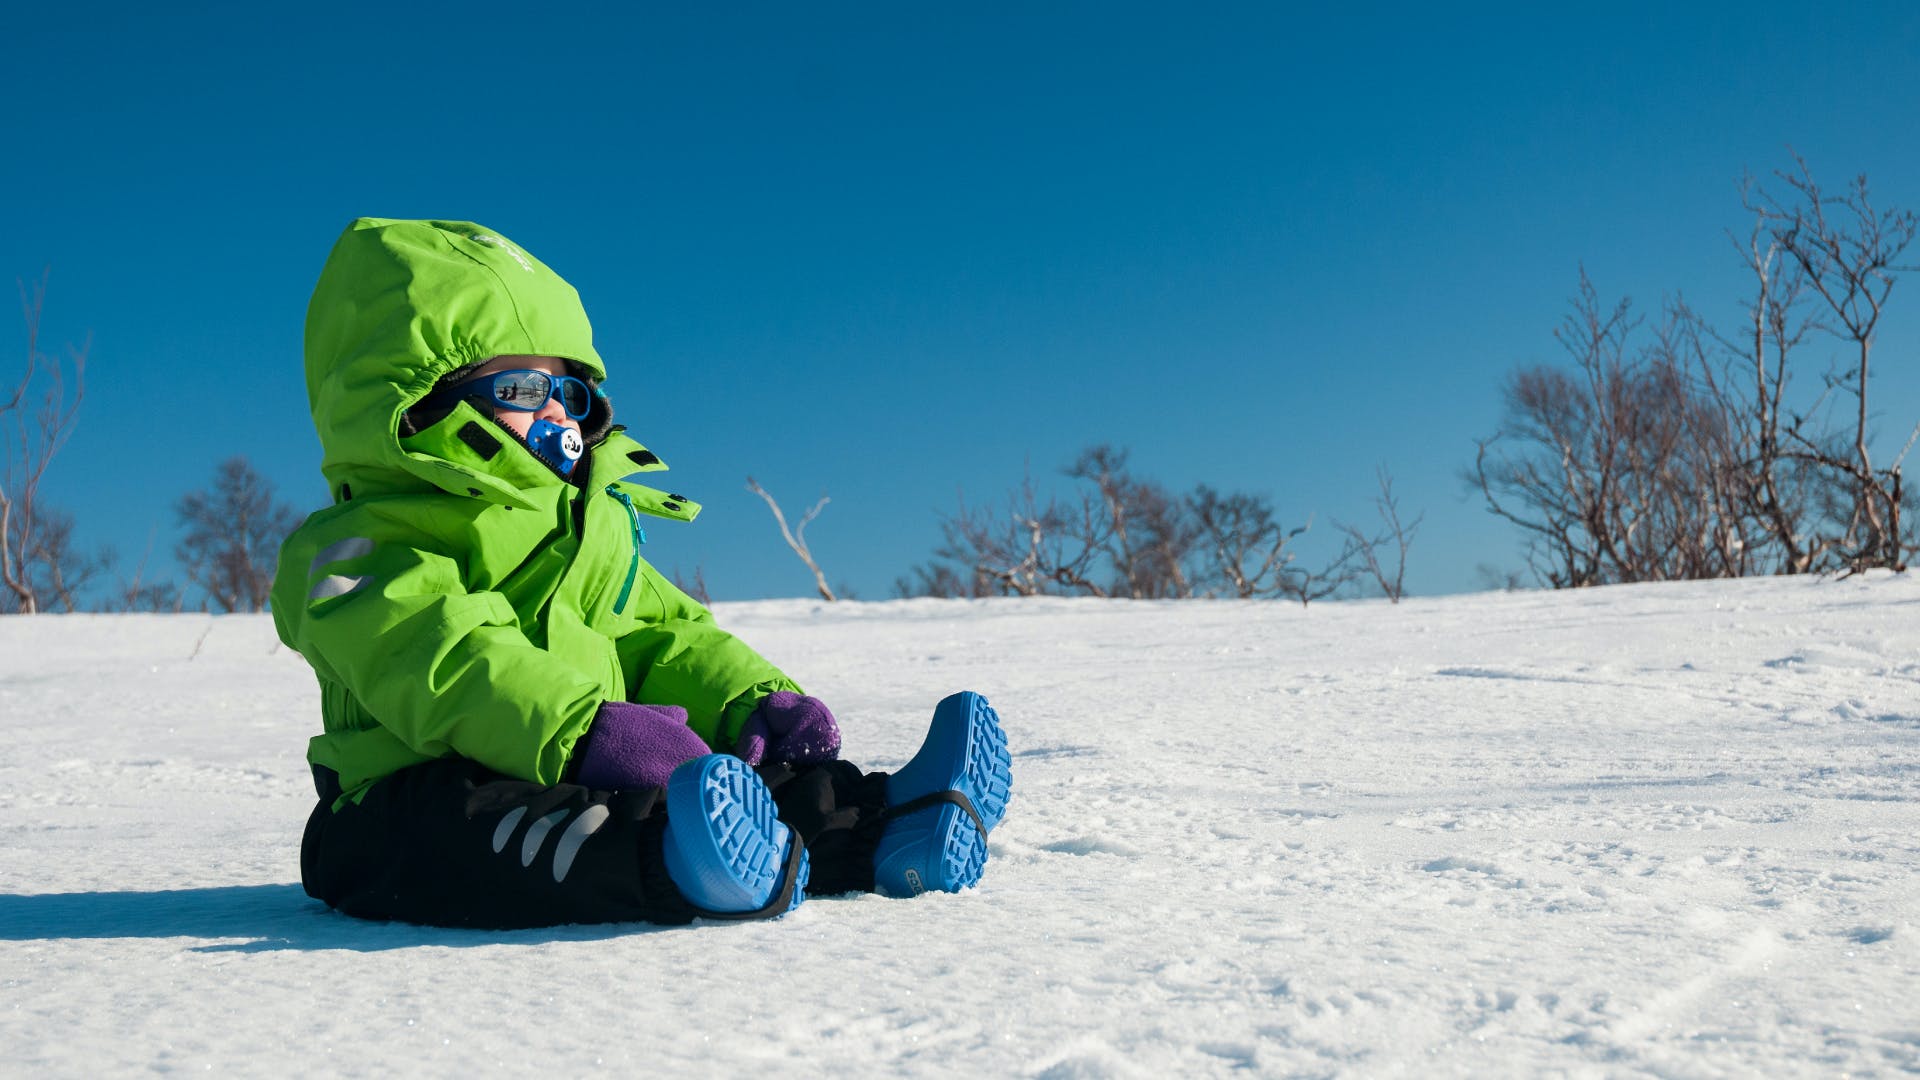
(1668, 830)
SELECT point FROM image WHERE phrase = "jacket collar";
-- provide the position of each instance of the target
(469, 454)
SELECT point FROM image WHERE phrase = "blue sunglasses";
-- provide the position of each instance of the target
(526, 390)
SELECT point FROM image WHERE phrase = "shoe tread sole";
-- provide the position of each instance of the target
(736, 858)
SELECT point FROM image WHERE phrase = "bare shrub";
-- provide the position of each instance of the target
(696, 588)
(1495, 579)
(1773, 482)
(1692, 455)
(64, 570)
(1246, 549)
(1382, 554)
(1849, 255)
(1307, 584)
(1609, 467)
(1022, 553)
(941, 580)
(157, 596)
(1124, 536)
(234, 533)
(39, 564)
(1144, 532)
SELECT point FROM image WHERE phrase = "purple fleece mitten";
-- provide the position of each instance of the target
(635, 746)
(789, 727)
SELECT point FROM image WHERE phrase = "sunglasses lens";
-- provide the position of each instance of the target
(521, 389)
(529, 391)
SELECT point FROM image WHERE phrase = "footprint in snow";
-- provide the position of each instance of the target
(1088, 845)
(1455, 862)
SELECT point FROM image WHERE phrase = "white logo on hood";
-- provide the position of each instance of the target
(508, 248)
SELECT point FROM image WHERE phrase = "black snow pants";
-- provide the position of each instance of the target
(450, 843)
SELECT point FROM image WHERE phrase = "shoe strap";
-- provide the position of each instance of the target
(782, 897)
(935, 798)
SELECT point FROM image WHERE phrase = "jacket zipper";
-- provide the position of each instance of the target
(639, 537)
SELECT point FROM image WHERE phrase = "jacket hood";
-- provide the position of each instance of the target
(401, 304)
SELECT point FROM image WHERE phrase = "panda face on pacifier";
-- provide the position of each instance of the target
(556, 444)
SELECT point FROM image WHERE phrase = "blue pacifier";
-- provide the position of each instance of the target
(556, 444)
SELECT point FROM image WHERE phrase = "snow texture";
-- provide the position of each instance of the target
(1668, 830)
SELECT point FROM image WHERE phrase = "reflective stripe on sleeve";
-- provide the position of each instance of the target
(338, 584)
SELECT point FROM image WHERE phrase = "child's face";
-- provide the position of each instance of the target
(515, 419)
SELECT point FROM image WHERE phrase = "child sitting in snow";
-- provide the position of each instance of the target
(521, 715)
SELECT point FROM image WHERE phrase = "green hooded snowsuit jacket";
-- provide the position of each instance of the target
(460, 597)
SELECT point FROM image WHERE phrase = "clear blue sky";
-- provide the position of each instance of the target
(890, 252)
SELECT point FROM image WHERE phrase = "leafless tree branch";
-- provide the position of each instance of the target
(797, 537)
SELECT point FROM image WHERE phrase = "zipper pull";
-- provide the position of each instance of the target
(639, 537)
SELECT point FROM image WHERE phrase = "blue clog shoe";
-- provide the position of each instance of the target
(726, 850)
(943, 803)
